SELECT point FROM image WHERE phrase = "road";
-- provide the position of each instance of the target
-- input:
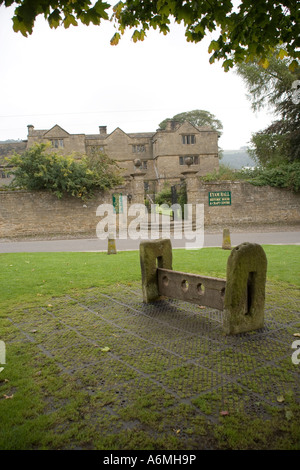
(94, 244)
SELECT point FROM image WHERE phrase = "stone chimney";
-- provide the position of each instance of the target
(103, 130)
(30, 128)
(172, 125)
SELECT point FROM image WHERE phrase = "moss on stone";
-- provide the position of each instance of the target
(226, 244)
(245, 289)
(154, 254)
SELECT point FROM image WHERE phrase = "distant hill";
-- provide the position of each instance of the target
(237, 159)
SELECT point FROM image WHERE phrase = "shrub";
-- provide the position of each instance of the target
(224, 173)
(165, 196)
(38, 169)
(283, 175)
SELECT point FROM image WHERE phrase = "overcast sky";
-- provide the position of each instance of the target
(76, 79)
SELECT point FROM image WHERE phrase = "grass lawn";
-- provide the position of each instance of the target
(48, 298)
(26, 276)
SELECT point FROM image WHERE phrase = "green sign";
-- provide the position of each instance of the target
(219, 198)
(117, 203)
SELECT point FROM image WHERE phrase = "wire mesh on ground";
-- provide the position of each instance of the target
(110, 340)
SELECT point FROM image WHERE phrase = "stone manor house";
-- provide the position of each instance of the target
(162, 154)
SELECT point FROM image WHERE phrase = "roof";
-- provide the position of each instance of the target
(135, 135)
(141, 135)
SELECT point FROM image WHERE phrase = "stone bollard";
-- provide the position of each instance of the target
(111, 245)
(226, 244)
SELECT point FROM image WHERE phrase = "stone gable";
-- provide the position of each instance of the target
(56, 132)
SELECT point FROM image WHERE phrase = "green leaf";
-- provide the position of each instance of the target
(264, 63)
(100, 8)
(115, 39)
(20, 26)
(117, 9)
(70, 19)
(227, 64)
(54, 19)
(214, 46)
(199, 29)
(282, 53)
(293, 65)
(138, 35)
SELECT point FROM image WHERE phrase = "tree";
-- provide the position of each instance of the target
(251, 29)
(275, 87)
(39, 170)
(268, 148)
(198, 118)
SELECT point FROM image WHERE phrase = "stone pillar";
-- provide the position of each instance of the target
(191, 185)
(138, 191)
(192, 189)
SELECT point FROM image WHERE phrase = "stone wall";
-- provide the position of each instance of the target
(24, 213)
(249, 204)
